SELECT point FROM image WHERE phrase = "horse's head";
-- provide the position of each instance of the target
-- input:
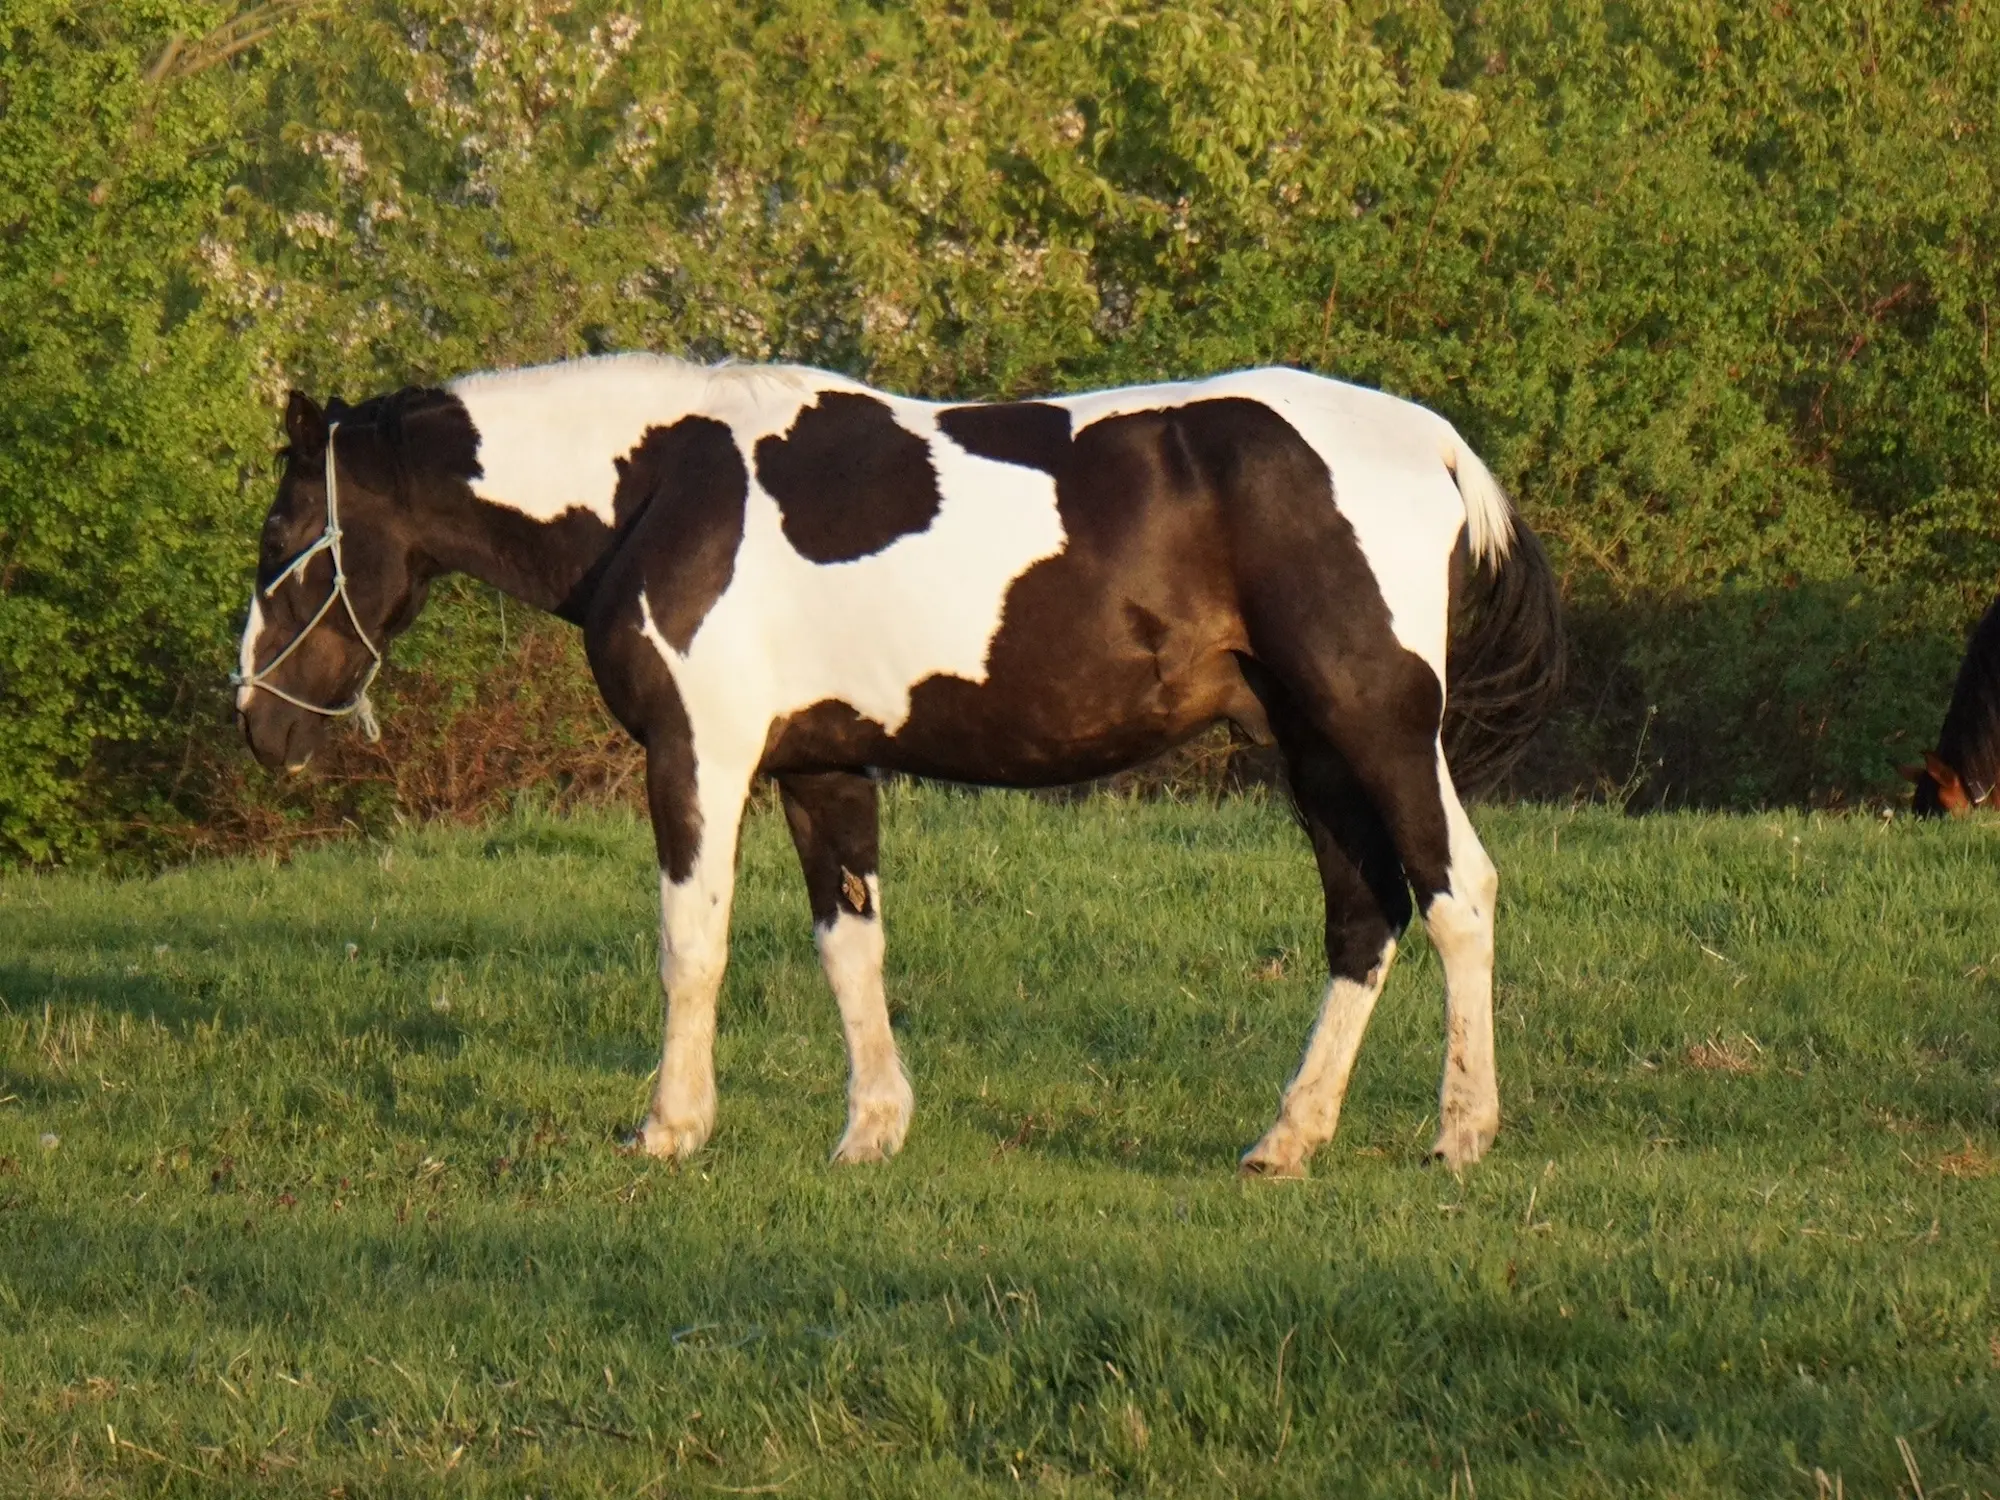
(338, 576)
(1940, 789)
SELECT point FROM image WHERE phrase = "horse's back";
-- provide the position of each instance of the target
(1313, 473)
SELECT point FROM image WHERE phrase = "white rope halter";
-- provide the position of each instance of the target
(259, 679)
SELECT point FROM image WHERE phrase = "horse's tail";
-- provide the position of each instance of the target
(1505, 664)
(1962, 772)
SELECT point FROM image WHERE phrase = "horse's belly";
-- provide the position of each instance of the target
(1089, 717)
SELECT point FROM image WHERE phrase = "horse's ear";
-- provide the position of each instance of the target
(1952, 795)
(305, 425)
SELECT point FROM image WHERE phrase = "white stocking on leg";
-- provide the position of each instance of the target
(1460, 922)
(1311, 1109)
(694, 950)
(878, 1089)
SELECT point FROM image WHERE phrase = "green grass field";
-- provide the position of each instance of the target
(308, 1179)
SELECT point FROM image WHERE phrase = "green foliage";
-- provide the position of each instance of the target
(334, 1200)
(1711, 284)
(127, 436)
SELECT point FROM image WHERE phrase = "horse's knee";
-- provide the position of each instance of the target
(1356, 937)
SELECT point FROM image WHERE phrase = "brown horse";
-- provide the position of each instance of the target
(1961, 773)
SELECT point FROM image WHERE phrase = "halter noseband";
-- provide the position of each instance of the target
(259, 678)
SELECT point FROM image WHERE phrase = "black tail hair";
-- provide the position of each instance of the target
(1506, 662)
(1969, 742)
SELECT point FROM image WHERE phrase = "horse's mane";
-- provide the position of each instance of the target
(749, 380)
(419, 430)
(1969, 742)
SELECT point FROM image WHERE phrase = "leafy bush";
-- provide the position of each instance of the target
(126, 432)
(1711, 286)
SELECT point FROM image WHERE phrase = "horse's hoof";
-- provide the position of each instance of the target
(874, 1133)
(1264, 1171)
(674, 1142)
(1458, 1146)
(1280, 1156)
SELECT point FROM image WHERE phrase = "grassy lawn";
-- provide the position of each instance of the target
(308, 1181)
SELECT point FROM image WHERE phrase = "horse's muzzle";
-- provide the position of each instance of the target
(280, 737)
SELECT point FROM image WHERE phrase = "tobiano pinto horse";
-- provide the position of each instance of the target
(1960, 774)
(780, 572)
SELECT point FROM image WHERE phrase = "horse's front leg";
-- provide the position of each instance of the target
(696, 815)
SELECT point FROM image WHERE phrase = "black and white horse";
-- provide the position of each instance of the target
(781, 572)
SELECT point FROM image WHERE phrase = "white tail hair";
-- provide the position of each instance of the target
(1489, 519)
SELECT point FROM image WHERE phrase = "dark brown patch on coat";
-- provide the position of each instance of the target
(680, 498)
(1028, 433)
(847, 479)
(1320, 629)
(833, 823)
(419, 448)
(680, 501)
(1115, 649)
(642, 695)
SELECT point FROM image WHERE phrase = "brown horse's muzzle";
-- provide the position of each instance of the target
(283, 738)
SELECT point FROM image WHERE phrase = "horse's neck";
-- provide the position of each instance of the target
(548, 564)
(549, 449)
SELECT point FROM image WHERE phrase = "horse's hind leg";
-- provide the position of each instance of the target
(1367, 908)
(833, 822)
(1457, 890)
(1459, 920)
(1381, 711)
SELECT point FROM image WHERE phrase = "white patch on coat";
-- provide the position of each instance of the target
(1311, 1109)
(550, 436)
(789, 632)
(246, 653)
